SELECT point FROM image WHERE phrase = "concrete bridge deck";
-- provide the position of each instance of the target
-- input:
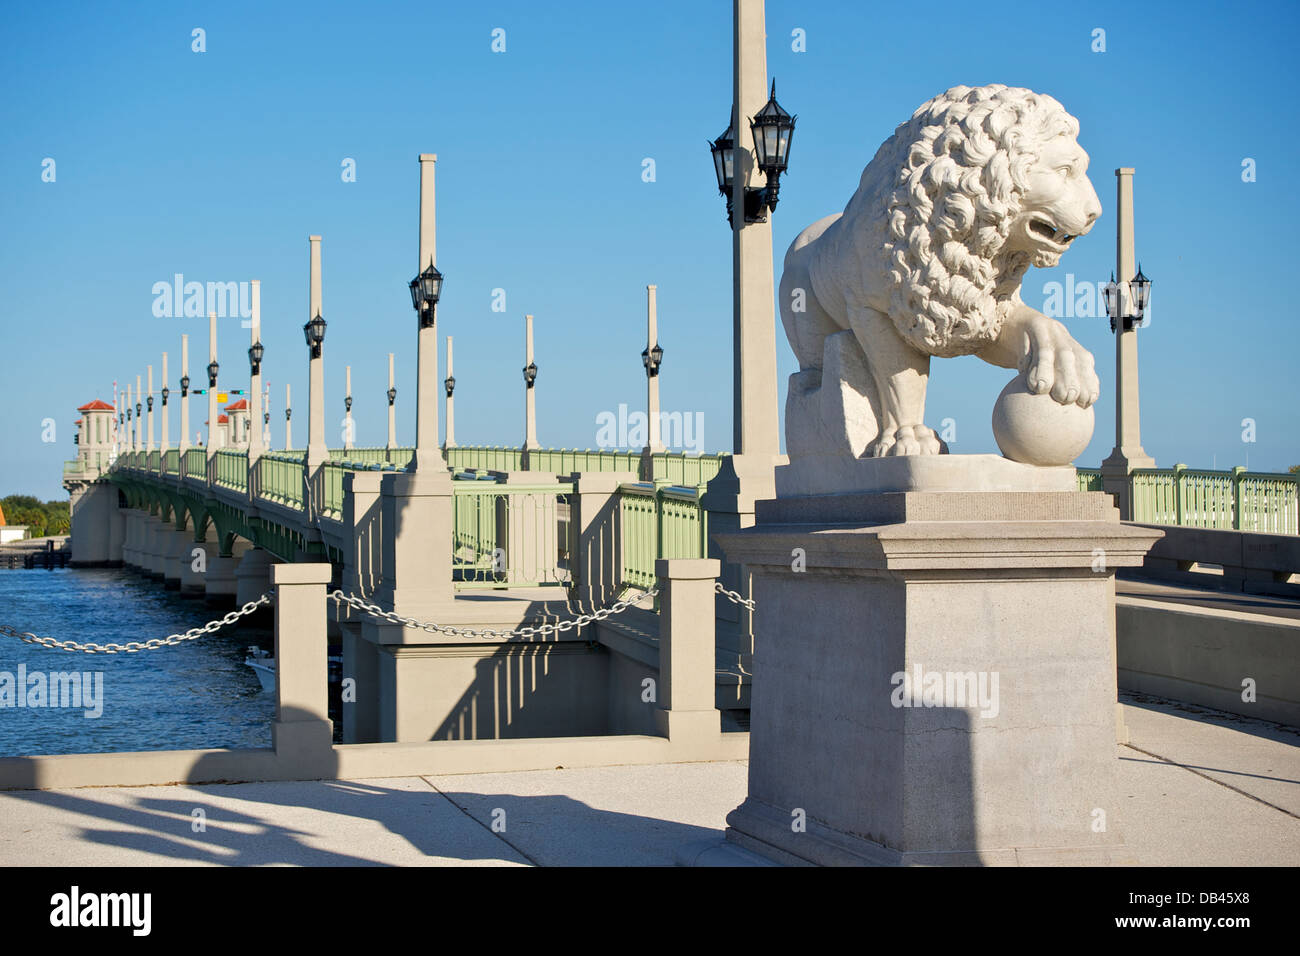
(1198, 788)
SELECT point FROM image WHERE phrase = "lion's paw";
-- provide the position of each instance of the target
(908, 440)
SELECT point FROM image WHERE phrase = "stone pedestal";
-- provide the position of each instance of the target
(934, 675)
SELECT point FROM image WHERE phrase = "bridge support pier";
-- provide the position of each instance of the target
(219, 586)
(155, 545)
(197, 560)
(253, 576)
(176, 545)
(131, 529)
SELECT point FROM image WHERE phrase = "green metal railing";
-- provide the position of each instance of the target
(279, 478)
(232, 469)
(196, 463)
(171, 461)
(510, 535)
(398, 457)
(1228, 500)
(565, 461)
(1089, 479)
(659, 521)
(689, 471)
(485, 458)
(1231, 500)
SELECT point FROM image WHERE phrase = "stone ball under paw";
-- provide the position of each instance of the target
(1036, 429)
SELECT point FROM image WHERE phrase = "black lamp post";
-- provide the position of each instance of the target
(213, 368)
(149, 402)
(185, 386)
(255, 353)
(165, 392)
(450, 384)
(426, 289)
(772, 128)
(652, 358)
(314, 332)
(138, 407)
(392, 395)
(1139, 288)
(530, 374)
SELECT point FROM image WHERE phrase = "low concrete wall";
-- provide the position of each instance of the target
(1203, 656)
(353, 761)
(1252, 561)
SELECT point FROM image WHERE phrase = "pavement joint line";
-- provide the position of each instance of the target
(499, 836)
(1215, 780)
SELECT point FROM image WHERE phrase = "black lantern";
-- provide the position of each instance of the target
(772, 129)
(128, 413)
(255, 353)
(392, 395)
(347, 404)
(652, 358)
(266, 418)
(185, 386)
(530, 374)
(121, 419)
(165, 392)
(314, 331)
(149, 402)
(76, 438)
(137, 409)
(288, 414)
(450, 384)
(213, 368)
(1111, 294)
(724, 164)
(426, 289)
(1140, 287)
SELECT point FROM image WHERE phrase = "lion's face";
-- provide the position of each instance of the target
(1059, 204)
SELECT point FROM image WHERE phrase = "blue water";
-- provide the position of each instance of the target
(194, 695)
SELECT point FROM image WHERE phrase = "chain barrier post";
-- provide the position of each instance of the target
(302, 733)
(687, 658)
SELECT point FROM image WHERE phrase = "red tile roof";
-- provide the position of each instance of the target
(239, 406)
(96, 406)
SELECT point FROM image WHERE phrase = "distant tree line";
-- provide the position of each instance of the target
(41, 517)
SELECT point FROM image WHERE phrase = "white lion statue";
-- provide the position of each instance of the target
(927, 260)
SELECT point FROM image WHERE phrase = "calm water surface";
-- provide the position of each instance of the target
(197, 694)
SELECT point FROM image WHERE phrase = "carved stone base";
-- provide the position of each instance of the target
(830, 475)
(934, 678)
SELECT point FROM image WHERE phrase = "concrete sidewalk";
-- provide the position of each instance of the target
(1199, 788)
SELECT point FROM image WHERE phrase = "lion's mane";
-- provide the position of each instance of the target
(950, 181)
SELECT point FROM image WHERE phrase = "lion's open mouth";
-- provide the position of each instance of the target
(1050, 232)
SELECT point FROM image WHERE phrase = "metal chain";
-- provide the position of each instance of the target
(541, 630)
(733, 596)
(132, 647)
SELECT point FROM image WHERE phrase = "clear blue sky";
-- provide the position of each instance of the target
(218, 165)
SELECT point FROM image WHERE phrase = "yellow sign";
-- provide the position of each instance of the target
(223, 397)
